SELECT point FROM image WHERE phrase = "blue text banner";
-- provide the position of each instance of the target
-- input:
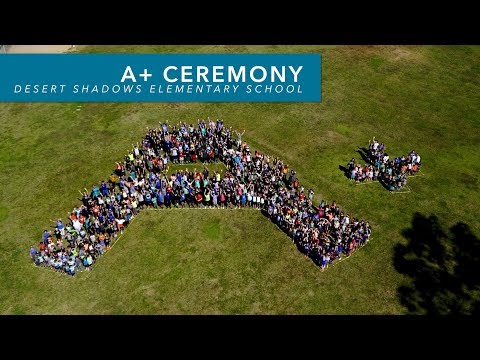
(160, 78)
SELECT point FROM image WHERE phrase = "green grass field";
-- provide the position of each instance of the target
(425, 98)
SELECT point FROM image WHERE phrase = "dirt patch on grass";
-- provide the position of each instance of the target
(178, 106)
(38, 49)
(390, 53)
(410, 54)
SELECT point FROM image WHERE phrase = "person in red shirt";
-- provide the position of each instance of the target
(295, 183)
(119, 169)
(199, 199)
(72, 216)
(321, 212)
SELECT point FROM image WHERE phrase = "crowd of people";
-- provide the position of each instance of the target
(392, 173)
(250, 179)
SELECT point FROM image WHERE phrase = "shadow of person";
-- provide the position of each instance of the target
(364, 155)
(442, 268)
(346, 172)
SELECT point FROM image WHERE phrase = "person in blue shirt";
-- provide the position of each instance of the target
(95, 191)
(182, 199)
(160, 198)
(148, 198)
(243, 199)
(154, 201)
(111, 217)
(45, 236)
(33, 252)
(151, 176)
(168, 200)
(104, 188)
(60, 225)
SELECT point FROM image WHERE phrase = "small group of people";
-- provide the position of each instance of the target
(250, 179)
(392, 173)
(82, 249)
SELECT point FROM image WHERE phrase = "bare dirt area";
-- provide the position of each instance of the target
(38, 49)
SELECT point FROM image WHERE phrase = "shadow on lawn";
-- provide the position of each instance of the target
(444, 268)
(345, 171)
(363, 152)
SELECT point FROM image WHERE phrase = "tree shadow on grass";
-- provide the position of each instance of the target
(444, 268)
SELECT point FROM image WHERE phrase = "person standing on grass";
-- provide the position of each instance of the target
(239, 138)
(199, 199)
(104, 188)
(207, 196)
(174, 153)
(46, 236)
(243, 198)
(79, 264)
(33, 252)
(120, 224)
(154, 200)
(61, 228)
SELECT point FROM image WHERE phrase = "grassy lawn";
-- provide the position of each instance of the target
(209, 261)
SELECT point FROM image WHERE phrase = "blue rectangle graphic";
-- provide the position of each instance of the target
(160, 77)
